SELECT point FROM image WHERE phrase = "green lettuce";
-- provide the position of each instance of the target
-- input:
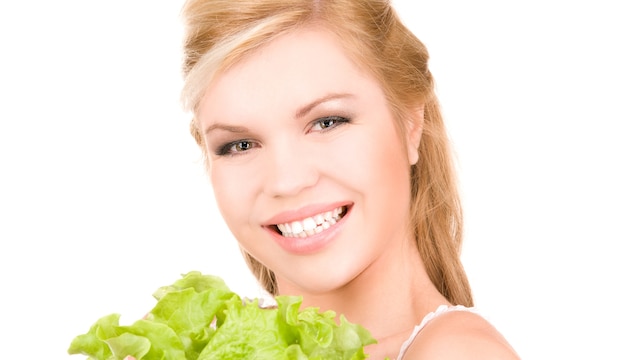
(200, 318)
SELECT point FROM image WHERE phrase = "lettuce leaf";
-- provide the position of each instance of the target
(199, 318)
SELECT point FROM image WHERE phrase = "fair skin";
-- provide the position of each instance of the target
(297, 134)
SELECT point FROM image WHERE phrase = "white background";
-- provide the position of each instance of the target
(103, 197)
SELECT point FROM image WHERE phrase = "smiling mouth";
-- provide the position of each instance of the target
(311, 225)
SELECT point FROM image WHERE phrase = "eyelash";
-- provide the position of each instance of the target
(225, 150)
(338, 121)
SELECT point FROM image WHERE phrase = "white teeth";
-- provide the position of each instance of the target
(296, 227)
(308, 224)
(311, 225)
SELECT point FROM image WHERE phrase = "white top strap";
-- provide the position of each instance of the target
(442, 309)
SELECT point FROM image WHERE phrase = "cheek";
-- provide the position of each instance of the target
(230, 190)
(391, 172)
(377, 159)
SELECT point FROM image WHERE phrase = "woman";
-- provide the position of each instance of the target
(329, 161)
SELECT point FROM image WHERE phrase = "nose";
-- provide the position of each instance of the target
(290, 168)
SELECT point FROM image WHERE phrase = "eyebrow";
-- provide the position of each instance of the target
(303, 111)
(234, 129)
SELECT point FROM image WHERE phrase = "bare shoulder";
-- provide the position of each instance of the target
(460, 335)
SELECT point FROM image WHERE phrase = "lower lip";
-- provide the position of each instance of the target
(310, 244)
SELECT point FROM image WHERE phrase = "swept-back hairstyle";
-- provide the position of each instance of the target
(221, 32)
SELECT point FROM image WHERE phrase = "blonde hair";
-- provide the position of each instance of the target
(221, 32)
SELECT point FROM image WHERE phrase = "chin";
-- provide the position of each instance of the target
(324, 280)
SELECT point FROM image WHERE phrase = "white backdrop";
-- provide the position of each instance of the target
(103, 197)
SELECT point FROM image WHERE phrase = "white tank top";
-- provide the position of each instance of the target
(442, 309)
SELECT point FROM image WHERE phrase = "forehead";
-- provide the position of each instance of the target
(287, 72)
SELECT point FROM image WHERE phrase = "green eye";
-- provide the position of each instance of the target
(242, 146)
(236, 147)
(328, 123)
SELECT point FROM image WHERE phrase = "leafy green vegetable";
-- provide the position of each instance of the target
(199, 318)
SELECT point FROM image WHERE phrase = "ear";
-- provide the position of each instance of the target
(414, 133)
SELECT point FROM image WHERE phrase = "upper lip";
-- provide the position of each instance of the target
(303, 212)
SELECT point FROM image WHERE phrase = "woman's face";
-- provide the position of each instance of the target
(306, 164)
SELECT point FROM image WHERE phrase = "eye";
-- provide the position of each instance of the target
(236, 147)
(328, 123)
